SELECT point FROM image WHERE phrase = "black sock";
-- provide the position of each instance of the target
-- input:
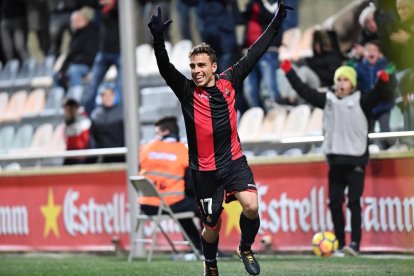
(210, 251)
(249, 229)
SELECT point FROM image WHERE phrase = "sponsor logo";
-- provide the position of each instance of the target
(14, 220)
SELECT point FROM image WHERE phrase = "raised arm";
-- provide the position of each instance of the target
(310, 95)
(245, 65)
(382, 92)
(170, 74)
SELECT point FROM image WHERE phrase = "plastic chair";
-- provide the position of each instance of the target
(35, 103)
(23, 137)
(297, 121)
(179, 55)
(41, 137)
(44, 72)
(250, 124)
(54, 101)
(76, 93)
(4, 100)
(146, 187)
(315, 124)
(273, 124)
(6, 138)
(15, 107)
(143, 54)
(157, 101)
(26, 73)
(9, 73)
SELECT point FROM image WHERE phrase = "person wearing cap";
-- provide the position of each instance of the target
(345, 127)
(82, 49)
(76, 133)
(368, 31)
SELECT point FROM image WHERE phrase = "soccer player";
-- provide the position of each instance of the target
(218, 165)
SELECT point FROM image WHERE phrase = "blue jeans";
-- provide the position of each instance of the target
(101, 64)
(76, 73)
(264, 70)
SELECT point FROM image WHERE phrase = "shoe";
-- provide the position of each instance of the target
(210, 270)
(339, 253)
(250, 263)
(352, 249)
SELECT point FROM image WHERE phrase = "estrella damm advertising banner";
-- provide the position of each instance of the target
(65, 210)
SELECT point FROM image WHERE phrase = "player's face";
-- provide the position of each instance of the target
(203, 70)
(343, 87)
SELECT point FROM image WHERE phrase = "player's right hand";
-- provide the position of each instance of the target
(156, 26)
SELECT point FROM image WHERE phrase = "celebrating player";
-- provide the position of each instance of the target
(218, 165)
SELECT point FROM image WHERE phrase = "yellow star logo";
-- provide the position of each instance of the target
(232, 211)
(51, 213)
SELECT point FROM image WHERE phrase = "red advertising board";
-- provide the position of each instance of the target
(68, 210)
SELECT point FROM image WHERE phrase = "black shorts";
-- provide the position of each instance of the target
(211, 186)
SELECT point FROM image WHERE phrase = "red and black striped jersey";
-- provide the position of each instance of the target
(209, 112)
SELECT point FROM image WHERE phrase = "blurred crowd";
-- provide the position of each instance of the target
(385, 38)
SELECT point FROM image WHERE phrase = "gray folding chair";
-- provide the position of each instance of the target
(147, 188)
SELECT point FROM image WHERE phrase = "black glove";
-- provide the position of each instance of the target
(157, 28)
(282, 12)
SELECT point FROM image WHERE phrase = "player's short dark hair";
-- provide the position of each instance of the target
(168, 123)
(204, 48)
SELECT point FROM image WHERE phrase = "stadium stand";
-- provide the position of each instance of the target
(4, 99)
(181, 50)
(26, 73)
(250, 124)
(35, 103)
(41, 137)
(54, 99)
(8, 74)
(315, 123)
(290, 43)
(273, 124)
(6, 138)
(22, 139)
(297, 121)
(44, 72)
(15, 107)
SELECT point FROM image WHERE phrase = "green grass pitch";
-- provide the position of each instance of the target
(87, 264)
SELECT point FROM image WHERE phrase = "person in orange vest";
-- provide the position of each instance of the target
(165, 162)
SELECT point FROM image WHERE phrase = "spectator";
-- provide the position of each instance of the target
(186, 12)
(38, 22)
(368, 31)
(257, 16)
(108, 54)
(217, 27)
(345, 126)
(165, 162)
(76, 132)
(107, 129)
(14, 29)
(367, 70)
(59, 22)
(82, 49)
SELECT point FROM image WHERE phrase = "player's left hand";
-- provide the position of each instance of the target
(156, 26)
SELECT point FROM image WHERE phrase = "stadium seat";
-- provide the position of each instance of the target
(314, 127)
(396, 119)
(273, 124)
(297, 121)
(23, 137)
(14, 166)
(4, 100)
(15, 107)
(250, 124)
(57, 139)
(54, 100)
(75, 92)
(179, 55)
(41, 137)
(6, 138)
(111, 74)
(44, 72)
(143, 54)
(9, 73)
(35, 103)
(26, 73)
(156, 102)
(145, 187)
